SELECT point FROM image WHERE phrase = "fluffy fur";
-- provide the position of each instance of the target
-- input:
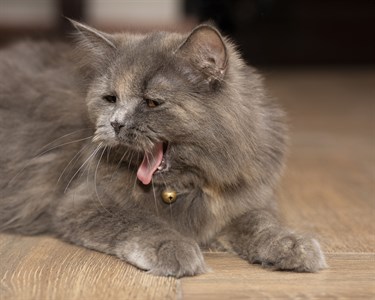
(68, 165)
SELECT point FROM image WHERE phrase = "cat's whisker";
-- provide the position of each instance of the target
(64, 144)
(83, 164)
(61, 137)
(109, 150)
(152, 144)
(95, 180)
(162, 177)
(75, 157)
(39, 155)
(153, 191)
(119, 164)
(136, 178)
(130, 160)
(133, 171)
(87, 169)
(170, 210)
(165, 186)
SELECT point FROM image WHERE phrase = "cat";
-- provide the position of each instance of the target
(150, 147)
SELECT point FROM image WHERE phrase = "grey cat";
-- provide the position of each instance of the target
(176, 148)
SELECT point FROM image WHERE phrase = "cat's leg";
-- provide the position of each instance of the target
(259, 238)
(131, 234)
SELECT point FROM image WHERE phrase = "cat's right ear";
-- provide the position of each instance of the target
(95, 48)
(206, 51)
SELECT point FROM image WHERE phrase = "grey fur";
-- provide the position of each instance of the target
(226, 146)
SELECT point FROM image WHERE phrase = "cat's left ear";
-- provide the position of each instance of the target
(205, 50)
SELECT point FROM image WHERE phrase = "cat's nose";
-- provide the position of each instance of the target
(117, 126)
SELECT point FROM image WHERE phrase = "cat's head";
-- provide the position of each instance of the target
(170, 99)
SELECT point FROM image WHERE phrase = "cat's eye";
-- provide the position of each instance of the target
(110, 98)
(152, 103)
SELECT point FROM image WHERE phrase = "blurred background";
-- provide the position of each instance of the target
(268, 32)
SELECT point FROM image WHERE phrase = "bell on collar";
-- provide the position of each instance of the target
(169, 196)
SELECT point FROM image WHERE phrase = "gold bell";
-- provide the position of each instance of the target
(169, 196)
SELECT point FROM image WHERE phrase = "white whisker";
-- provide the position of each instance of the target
(87, 169)
(153, 191)
(118, 165)
(95, 180)
(130, 160)
(74, 157)
(165, 185)
(67, 143)
(40, 154)
(170, 210)
(109, 150)
(61, 137)
(136, 178)
(84, 163)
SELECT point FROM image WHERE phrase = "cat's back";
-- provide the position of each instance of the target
(23, 58)
(31, 70)
(39, 99)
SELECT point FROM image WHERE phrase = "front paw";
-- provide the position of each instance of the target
(294, 253)
(178, 258)
(175, 257)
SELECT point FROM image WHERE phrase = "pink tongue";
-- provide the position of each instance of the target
(151, 161)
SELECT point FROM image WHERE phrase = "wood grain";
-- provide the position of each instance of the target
(329, 183)
(46, 268)
(328, 190)
(349, 276)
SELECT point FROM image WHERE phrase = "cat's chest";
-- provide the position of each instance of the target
(199, 212)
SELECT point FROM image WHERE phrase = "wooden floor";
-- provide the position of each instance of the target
(328, 189)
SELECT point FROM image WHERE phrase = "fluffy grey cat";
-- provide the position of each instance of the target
(176, 147)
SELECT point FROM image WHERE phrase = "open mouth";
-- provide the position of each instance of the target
(154, 161)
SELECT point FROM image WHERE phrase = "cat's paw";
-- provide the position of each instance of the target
(294, 253)
(178, 258)
(175, 257)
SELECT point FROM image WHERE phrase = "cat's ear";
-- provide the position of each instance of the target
(95, 47)
(205, 50)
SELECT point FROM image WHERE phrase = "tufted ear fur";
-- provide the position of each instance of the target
(206, 51)
(95, 48)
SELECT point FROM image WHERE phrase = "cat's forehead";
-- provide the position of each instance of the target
(146, 60)
(149, 47)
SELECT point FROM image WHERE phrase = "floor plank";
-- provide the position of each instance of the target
(349, 276)
(46, 268)
(329, 183)
(338, 201)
